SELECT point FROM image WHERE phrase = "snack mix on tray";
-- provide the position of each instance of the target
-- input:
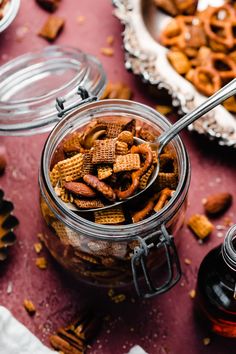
(101, 164)
(203, 48)
(177, 7)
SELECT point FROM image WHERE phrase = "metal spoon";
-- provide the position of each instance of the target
(214, 100)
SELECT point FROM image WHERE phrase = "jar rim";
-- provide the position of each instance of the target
(11, 12)
(123, 232)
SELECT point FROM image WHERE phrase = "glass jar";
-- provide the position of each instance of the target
(106, 255)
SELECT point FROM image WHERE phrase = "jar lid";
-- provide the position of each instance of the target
(9, 13)
(31, 83)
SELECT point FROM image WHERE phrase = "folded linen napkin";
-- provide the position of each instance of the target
(15, 338)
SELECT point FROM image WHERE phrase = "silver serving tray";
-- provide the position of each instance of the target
(145, 57)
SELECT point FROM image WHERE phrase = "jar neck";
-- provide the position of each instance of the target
(228, 248)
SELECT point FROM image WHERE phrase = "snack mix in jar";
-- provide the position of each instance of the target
(94, 166)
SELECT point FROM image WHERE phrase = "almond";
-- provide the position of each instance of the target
(217, 203)
(80, 189)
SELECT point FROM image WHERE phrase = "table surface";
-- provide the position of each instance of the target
(164, 324)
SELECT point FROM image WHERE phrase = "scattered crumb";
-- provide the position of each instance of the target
(192, 294)
(206, 341)
(21, 32)
(110, 292)
(220, 227)
(220, 234)
(38, 247)
(110, 40)
(109, 52)
(29, 306)
(40, 236)
(52, 28)
(182, 284)
(227, 221)
(200, 225)
(80, 19)
(118, 298)
(163, 109)
(204, 200)
(41, 263)
(187, 261)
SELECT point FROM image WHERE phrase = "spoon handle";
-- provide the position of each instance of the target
(221, 95)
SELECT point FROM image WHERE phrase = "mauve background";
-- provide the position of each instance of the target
(161, 325)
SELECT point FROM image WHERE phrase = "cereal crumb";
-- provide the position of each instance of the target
(41, 263)
(206, 341)
(109, 52)
(52, 28)
(227, 221)
(163, 109)
(110, 292)
(21, 32)
(110, 40)
(40, 236)
(220, 234)
(187, 261)
(29, 306)
(80, 19)
(38, 247)
(200, 225)
(118, 298)
(192, 294)
(220, 227)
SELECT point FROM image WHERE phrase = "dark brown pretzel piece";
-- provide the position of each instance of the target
(136, 175)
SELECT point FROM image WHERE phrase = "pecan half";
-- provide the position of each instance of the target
(100, 186)
(80, 189)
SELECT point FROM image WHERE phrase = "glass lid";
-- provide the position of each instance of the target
(30, 84)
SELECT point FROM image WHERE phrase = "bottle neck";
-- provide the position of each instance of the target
(229, 248)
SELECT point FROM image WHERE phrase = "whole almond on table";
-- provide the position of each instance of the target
(217, 203)
(80, 189)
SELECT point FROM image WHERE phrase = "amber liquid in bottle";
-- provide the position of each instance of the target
(216, 294)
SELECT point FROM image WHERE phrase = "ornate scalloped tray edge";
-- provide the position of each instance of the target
(144, 57)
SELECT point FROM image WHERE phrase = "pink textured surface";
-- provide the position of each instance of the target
(161, 325)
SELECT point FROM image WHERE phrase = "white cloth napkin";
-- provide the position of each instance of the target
(15, 338)
(137, 350)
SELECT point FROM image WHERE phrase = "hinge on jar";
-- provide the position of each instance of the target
(85, 98)
(138, 263)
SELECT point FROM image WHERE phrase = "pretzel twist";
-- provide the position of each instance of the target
(136, 175)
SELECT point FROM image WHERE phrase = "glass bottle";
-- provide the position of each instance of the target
(216, 287)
